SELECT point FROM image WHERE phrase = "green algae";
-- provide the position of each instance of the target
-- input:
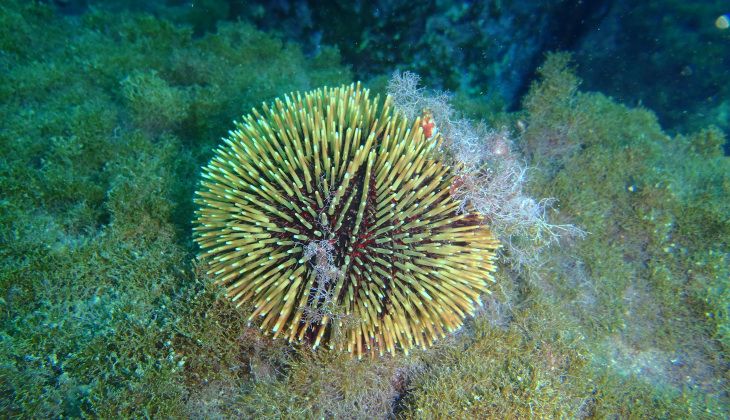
(106, 120)
(647, 283)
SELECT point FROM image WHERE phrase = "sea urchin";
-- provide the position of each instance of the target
(335, 221)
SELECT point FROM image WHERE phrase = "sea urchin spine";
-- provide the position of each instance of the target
(328, 170)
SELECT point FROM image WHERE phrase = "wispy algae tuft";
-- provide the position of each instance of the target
(334, 218)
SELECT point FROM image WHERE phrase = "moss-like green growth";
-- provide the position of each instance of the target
(105, 120)
(649, 284)
(327, 384)
(498, 373)
(154, 104)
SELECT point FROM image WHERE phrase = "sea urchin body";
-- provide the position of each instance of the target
(324, 204)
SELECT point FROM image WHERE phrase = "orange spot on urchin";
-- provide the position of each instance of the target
(427, 124)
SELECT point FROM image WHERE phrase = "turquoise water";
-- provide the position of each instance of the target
(586, 137)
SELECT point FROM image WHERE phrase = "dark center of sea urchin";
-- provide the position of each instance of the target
(334, 220)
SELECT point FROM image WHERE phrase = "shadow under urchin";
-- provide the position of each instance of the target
(332, 215)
